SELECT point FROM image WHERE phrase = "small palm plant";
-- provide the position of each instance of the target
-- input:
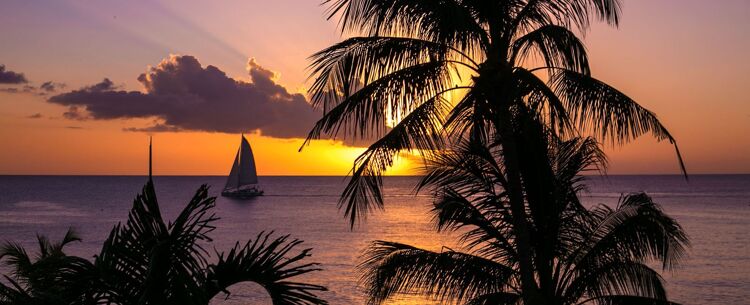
(148, 261)
(580, 256)
(50, 277)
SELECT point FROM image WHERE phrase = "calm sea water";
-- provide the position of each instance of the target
(714, 209)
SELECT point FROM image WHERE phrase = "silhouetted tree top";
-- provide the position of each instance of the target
(447, 70)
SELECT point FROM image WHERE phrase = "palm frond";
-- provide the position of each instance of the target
(470, 167)
(13, 293)
(269, 263)
(616, 278)
(388, 98)
(607, 112)
(498, 298)
(391, 268)
(544, 103)
(573, 157)
(13, 255)
(71, 235)
(569, 13)
(484, 223)
(341, 68)
(190, 229)
(468, 118)
(445, 21)
(420, 129)
(468, 186)
(637, 229)
(556, 45)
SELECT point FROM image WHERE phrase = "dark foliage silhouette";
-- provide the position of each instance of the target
(49, 277)
(580, 256)
(148, 261)
(508, 73)
(514, 56)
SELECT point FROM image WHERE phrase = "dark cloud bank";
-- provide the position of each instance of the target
(183, 95)
(10, 77)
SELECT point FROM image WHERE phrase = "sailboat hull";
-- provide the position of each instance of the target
(245, 193)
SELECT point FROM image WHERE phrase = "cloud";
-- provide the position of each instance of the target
(182, 95)
(74, 113)
(24, 89)
(10, 77)
(43, 89)
(50, 87)
(14, 78)
(157, 127)
(35, 116)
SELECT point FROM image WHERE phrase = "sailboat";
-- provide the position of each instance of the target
(243, 180)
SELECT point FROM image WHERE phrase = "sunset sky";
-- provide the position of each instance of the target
(686, 60)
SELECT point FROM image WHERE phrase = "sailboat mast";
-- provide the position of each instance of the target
(239, 161)
(149, 158)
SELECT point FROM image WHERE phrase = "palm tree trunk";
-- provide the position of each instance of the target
(521, 226)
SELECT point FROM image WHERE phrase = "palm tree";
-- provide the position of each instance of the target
(50, 277)
(514, 60)
(580, 256)
(148, 261)
(513, 55)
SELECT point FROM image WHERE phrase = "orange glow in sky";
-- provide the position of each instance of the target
(691, 74)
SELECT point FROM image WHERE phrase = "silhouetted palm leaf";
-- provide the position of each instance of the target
(269, 265)
(409, 134)
(498, 298)
(391, 268)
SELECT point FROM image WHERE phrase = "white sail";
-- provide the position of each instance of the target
(243, 169)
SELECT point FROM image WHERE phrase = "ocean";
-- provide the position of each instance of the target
(713, 209)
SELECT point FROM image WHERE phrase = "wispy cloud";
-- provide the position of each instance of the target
(22, 89)
(50, 87)
(74, 113)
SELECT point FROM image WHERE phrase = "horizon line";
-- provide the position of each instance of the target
(415, 175)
